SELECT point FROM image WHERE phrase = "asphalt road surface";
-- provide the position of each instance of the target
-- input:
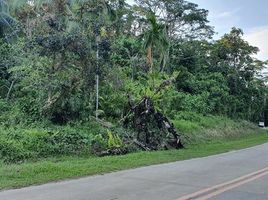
(231, 176)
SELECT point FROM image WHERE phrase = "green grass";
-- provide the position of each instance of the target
(199, 128)
(54, 169)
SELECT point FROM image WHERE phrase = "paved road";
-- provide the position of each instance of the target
(234, 176)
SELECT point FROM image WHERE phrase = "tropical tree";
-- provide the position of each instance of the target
(234, 58)
(183, 19)
(97, 13)
(155, 38)
(65, 29)
(64, 57)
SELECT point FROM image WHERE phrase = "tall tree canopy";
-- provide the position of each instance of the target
(49, 71)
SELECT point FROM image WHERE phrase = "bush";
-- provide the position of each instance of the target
(38, 142)
(99, 143)
(12, 151)
(71, 141)
(18, 144)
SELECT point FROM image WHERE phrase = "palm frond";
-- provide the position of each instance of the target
(4, 6)
(6, 21)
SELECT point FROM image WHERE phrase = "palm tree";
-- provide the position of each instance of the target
(155, 37)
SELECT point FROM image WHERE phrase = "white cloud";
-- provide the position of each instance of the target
(259, 37)
(225, 14)
(223, 21)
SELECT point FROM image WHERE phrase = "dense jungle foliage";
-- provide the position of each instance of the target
(73, 73)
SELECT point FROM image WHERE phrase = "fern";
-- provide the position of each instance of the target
(114, 141)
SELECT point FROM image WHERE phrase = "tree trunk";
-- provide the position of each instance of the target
(97, 95)
(9, 90)
(150, 58)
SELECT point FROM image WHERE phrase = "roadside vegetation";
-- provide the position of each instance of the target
(65, 167)
(82, 80)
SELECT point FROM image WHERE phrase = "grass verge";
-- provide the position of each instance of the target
(55, 169)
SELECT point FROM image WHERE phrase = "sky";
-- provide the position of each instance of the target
(249, 15)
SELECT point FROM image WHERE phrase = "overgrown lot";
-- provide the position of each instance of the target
(64, 167)
(21, 143)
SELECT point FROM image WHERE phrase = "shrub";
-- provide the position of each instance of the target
(18, 144)
(12, 151)
(98, 144)
(71, 141)
(39, 142)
